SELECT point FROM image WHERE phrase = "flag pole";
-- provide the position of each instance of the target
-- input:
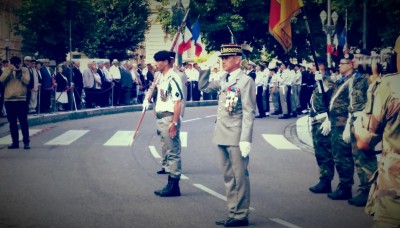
(153, 85)
(324, 96)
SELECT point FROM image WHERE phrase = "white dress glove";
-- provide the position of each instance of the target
(212, 60)
(245, 148)
(346, 134)
(145, 104)
(325, 127)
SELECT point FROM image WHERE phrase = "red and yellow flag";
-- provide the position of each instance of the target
(281, 14)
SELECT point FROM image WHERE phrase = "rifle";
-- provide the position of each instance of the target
(150, 92)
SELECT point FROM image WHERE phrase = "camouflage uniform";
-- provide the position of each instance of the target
(381, 121)
(322, 144)
(365, 162)
(338, 114)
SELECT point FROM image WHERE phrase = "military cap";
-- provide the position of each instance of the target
(348, 57)
(100, 62)
(115, 61)
(162, 56)
(5, 61)
(231, 50)
(363, 52)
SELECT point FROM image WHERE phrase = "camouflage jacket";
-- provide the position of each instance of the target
(358, 91)
(339, 102)
(382, 121)
(317, 101)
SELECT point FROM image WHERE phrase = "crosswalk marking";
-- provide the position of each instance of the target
(183, 136)
(7, 139)
(279, 142)
(120, 138)
(154, 152)
(284, 223)
(210, 191)
(67, 138)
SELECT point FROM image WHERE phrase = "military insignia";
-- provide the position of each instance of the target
(232, 97)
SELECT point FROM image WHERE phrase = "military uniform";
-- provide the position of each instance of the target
(381, 121)
(322, 144)
(365, 162)
(275, 93)
(234, 124)
(169, 90)
(338, 114)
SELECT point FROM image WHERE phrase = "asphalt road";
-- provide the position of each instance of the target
(78, 175)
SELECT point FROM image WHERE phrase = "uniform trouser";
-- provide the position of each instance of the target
(283, 95)
(365, 162)
(323, 153)
(303, 97)
(266, 98)
(342, 156)
(259, 101)
(296, 97)
(33, 101)
(276, 100)
(189, 91)
(237, 181)
(18, 111)
(195, 91)
(171, 147)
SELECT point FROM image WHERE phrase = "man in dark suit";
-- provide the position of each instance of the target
(78, 83)
(233, 131)
(46, 86)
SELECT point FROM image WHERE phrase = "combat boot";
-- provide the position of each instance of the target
(323, 186)
(171, 190)
(341, 193)
(361, 199)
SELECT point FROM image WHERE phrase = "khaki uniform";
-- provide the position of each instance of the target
(169, 90)
(381, 121)
(236, 111)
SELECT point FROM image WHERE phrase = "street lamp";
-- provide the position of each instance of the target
(328, 28)
(7, 47)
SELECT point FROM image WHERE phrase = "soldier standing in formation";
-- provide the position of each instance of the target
(380, 122)
(233, 131)
(322, 141)
(365, 162)
(335, 124)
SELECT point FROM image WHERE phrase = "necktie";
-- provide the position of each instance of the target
(227, 77)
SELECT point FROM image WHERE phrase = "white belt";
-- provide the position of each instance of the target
(320, 116)
(357, 114)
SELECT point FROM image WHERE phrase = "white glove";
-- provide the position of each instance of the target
(245, 148)
(325, 127)
(145, 104)
(318, 76)
(346, 134)
(212, 60)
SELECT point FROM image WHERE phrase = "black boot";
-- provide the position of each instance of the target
(361, 199)
(14, 146)
(341, 193)
(162, 171)
(285, 116)
(323, 186)
(172, 188)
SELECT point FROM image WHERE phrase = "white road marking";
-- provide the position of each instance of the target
(154, 152)
(284, 223)
(67, 138)
(210, 191)
(7, 139)
(120, 138)
(183, 177)
(183, 136)
(279, 142)
(185, 121)
(210, 116)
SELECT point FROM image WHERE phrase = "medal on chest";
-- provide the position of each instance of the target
(231, 99)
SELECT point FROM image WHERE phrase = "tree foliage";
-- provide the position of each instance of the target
(100, 28)
(249, 20)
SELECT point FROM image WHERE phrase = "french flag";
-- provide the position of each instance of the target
(186, 43)
(195, 38)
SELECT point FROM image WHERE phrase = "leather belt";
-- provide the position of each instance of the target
(161, 115)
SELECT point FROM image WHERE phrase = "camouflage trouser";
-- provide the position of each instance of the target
(323, 153)
(365, 162)
(342, 156)
(171, 147)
